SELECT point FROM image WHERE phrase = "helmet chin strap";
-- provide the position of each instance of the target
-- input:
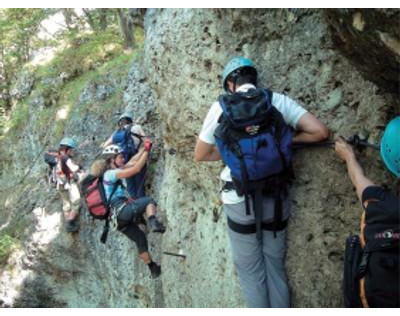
(233, 80)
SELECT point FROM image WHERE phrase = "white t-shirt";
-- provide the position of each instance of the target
(137, 129)
(291, 112)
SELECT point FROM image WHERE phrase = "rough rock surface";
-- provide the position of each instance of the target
(185, 52)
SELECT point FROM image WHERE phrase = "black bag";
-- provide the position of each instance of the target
(51, 159)
(371, 271)
(352, 259)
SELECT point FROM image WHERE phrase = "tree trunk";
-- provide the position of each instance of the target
(103, 19)
(69, 14)
(126, 28)
(4, 81)
(89, 19)
(137, 16)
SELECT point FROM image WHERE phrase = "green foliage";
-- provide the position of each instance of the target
(10, 238)
(19, 116)
(84, 53)
(87, 56)
(7, 245)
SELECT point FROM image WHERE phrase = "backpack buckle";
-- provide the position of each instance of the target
(252, 129)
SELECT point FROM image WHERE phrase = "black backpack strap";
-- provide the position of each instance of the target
(116, 185)
(278, 210)
(140, 137)
(370, 248)
(106, 227)
(251, 228)
(258, 211)
(268, 95)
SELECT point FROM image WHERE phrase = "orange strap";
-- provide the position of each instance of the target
(363, 297)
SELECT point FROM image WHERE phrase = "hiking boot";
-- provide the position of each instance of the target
(156, 226)
(155, 270)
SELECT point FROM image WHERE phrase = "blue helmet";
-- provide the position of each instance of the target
(126, 115)
(235, 64)
(67, 141)
(390, 146)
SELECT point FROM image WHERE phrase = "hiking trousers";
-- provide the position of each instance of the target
(135, 184)
(129, 218)
(71, 198)
(260, 264)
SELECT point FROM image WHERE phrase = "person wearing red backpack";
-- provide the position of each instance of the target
(377, 274)
(68, 173)
(129, 212)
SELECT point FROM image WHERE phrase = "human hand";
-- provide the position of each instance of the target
(343, 149)
(147, 144)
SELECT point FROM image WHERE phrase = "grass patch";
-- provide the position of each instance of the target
(10, 238)
(84, 53)
(87, 59)
(19, 116)
(7, 245)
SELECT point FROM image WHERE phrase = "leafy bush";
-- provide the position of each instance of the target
(7, 245)
(84, 53)
(20, 116)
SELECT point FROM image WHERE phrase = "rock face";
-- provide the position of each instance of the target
(293, 50)
(56, 269)
(23, 85)
(370, 39)
(185, 52)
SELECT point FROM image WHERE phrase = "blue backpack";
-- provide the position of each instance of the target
(123, 138)
(255, 143)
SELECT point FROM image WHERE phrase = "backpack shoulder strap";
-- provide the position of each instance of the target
(138, 136)
(63, 164)
(222, 103)
(115, 187)
(268, 95)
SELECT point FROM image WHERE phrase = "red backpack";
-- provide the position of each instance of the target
(92, 190)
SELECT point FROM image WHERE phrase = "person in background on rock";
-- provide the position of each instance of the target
(259, 261)
(129, 137)
(382, 211)
(68, 175)
(129, 212)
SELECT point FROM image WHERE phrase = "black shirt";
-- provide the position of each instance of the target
(382, 214)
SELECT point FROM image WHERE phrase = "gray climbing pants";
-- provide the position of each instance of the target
(260, 264)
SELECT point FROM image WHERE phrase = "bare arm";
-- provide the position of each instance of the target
(310, 129)
(135, 158)
(206, 152)
(107, 142)
(357, 177)
(135, 168)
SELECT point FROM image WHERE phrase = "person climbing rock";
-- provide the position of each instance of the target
(68, 174)
(129, 137)
(378, 282)
(128, 211)
(250, 129)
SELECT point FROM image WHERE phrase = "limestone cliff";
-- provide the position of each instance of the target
(170, 90)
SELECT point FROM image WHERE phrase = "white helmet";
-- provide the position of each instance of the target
(111, 150)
